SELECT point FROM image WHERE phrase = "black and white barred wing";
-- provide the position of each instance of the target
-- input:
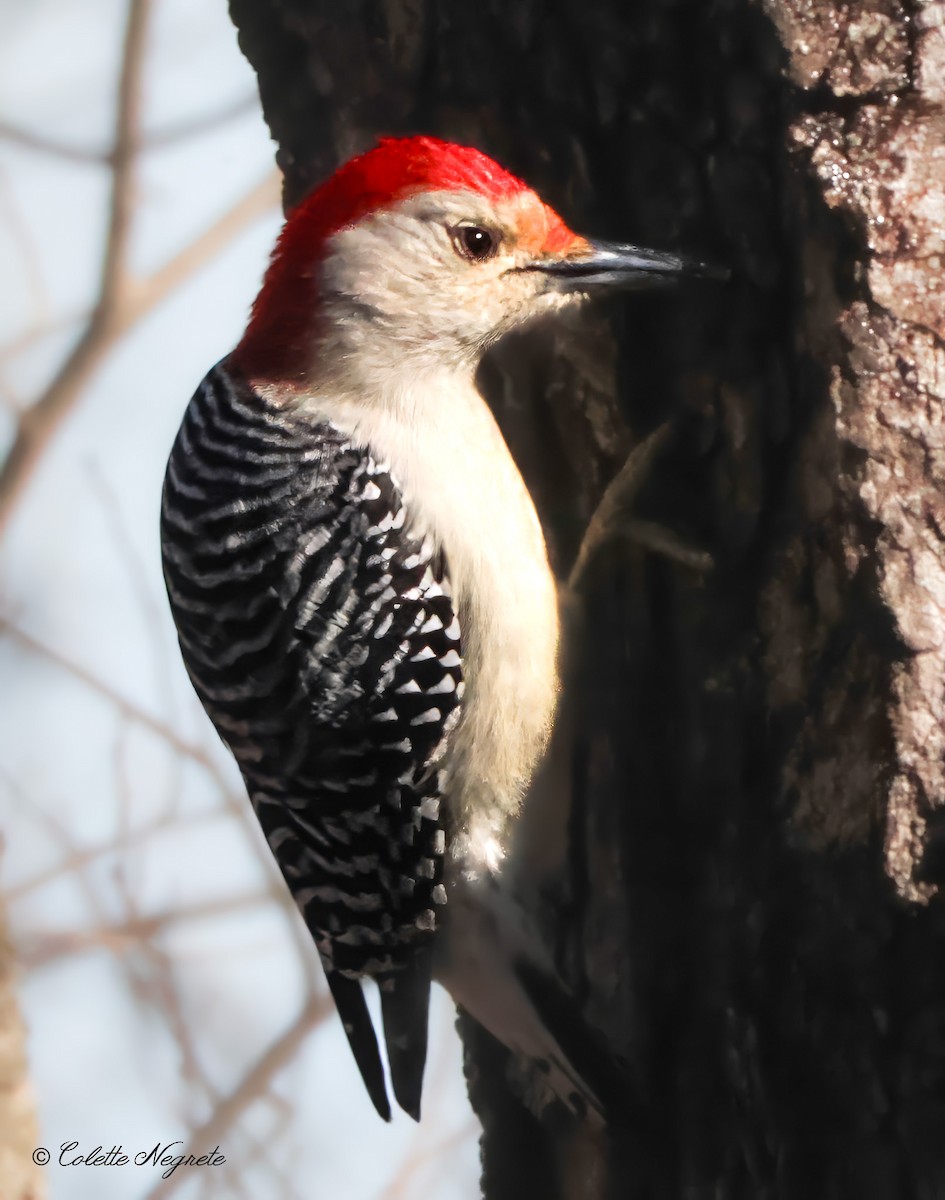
(320, 635)
(382, 671)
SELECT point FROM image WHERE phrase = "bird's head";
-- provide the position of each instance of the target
(423, 252)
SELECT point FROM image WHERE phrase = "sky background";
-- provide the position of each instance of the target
(161, 965)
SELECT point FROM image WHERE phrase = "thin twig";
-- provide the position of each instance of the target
(38, 949)
(127, 124)
(29, 140)
(422, 1155)
(160, 138)
(88, 855)
(262, 198)
(422, 1151)
(38, 423)
(234, 800)
(180, 131)
(29, 337)
(250, 1088)
(151, 608)
(191, 750)
(121, 300)
(29, 251)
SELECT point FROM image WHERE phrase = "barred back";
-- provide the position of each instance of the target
(321, 639)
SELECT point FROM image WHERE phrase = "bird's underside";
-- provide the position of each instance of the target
(320, 635)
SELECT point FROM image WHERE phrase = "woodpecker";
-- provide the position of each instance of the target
(361, 588)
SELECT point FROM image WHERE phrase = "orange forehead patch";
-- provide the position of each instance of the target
(541, 231)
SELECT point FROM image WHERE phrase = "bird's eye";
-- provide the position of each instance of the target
(474, 243)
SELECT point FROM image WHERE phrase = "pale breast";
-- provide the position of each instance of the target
(461, 487)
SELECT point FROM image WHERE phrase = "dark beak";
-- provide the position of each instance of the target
(611, 265)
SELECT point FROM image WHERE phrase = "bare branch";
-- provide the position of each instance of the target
(191, 750)
(81, 858)
(422, 1155)
(262, 198)
(38, 949)
(121, 301)
(422, 1152)
(123, 163)
(252, 1086)
(169, 136)
(29, 140)
(151, 606)
(38, 423)
(29, 337)
(235, 801)
(181, 131)
(27, 247)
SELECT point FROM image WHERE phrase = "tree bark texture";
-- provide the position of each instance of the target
(750, 914)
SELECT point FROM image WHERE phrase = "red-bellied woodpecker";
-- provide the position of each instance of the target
(360, 583)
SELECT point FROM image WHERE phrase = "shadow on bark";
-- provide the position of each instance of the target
(739, 916)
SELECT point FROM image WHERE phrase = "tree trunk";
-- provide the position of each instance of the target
(20, 1177)
(750, 916)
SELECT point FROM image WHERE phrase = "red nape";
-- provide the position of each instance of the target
(276, 339)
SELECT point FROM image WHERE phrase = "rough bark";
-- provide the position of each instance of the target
(751, 915)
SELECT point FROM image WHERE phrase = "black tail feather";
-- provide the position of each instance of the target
(352, 1008)
(405, 1005)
